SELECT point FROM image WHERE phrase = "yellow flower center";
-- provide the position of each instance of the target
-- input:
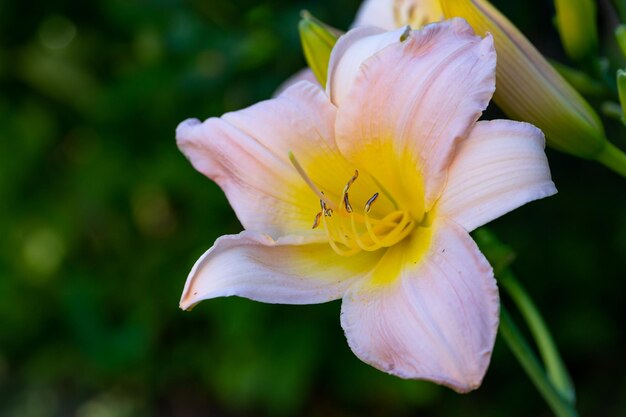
(351, 229)
(416, 13)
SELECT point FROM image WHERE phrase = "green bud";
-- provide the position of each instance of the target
(576, 23)
(317, 40)
(528, 88)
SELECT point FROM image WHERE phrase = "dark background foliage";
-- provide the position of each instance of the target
(101, 219)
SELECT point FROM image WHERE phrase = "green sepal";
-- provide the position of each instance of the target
(318, 40)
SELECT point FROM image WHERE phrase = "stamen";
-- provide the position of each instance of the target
(348, 232)
(333, 239)
(343, 252)
(336, 230)
(386, 193)
(368, 204)
(360, 242)
(316, 223)
(370, 229)
(354, 177)
(402, 230)
(346, 201)
(327, 211)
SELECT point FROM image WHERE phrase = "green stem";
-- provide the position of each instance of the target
(614, 158)
(552, 360)
(554, 385)
(528, 360)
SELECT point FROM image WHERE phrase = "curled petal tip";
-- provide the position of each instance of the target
(191, 122)
(184, 128)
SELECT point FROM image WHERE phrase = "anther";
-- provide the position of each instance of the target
(346, 200)
(368, 204)
(346, 203)
(316, 222)
(354, 177)
(327, 211)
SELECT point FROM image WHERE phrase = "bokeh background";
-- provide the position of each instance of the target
(101, 219)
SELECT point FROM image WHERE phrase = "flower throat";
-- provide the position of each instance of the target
(351, 230)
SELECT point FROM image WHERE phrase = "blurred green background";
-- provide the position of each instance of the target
(101, 218)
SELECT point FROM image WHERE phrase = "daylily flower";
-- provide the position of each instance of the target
(367, 192)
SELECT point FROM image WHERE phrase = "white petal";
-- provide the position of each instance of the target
(437, 321)
(288, 271)
(501, 167)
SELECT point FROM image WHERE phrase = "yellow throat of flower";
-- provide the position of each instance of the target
(416, 13)
(354, 229)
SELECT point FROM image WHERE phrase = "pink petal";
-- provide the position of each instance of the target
(287, 271)
(378, 13)
(247, 154)
(437, 321)
(304, 74)
(501, 167)
(351, 50)
(419, 96)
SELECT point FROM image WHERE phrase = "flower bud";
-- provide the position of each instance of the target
(576, 22)
(529, 89)
(317, 40)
